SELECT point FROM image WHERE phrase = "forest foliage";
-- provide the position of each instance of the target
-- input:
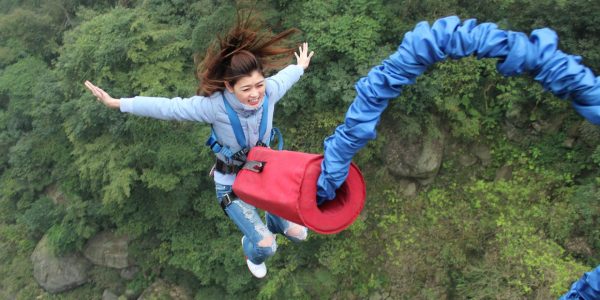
(464, 236)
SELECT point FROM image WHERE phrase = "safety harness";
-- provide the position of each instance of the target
(228, 166)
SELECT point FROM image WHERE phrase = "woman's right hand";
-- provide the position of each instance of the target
(102, 96)
(303, 57)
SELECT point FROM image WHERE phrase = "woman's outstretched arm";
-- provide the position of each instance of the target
(197, 108)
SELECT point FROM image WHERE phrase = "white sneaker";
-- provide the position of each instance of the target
(260, 270)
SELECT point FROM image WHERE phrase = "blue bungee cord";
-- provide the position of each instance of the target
(538, 54)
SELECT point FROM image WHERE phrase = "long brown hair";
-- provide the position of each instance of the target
(248, 46)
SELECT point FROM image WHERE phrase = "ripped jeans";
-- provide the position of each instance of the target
(260, 242)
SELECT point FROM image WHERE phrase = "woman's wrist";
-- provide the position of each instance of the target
(114, 103)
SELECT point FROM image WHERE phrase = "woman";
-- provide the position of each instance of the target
(233, 89)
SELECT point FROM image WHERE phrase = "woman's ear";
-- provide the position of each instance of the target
(228, 87)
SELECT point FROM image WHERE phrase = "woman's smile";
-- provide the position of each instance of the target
(249, 90)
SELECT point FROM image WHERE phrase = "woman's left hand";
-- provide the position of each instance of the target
(303, 57)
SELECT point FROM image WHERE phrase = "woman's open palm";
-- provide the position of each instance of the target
(303, 57)
(102, 96)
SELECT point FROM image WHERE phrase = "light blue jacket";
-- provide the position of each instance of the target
(211, 110)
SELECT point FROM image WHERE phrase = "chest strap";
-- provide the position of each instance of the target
(240, 156)
(237, 126)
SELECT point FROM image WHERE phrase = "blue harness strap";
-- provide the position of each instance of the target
(216, 147)
(237, 126)
(276, 133)
(263, 121)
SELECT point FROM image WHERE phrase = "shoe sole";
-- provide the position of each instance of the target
(247, 261)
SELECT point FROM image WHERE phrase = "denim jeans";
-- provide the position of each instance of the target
(247, 219)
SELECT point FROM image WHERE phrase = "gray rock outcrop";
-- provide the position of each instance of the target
(58, 273)
(108, 249)
(129, 272)
(483, 153)
(6, 295)
(419, 158)
(467, 160)
(407, 188)
(108, 295)
(164, 290)
(504, 173)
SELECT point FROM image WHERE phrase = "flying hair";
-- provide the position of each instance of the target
(248, 46)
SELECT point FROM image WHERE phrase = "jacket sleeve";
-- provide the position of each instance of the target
(197, 108)
(280, 83)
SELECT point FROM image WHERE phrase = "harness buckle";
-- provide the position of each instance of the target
(226, 168)
(254, 166)
(241, 155)
(226, 200)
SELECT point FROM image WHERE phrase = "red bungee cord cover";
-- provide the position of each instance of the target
(286, 185)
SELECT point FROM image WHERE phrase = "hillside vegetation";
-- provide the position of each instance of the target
(509, 210)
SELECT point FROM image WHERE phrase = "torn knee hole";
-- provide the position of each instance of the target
(267, 241)
(297, 231)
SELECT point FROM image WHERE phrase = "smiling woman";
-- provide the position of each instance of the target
(250, 90)
(233, 92)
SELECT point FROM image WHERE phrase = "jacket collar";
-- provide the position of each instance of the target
(239, 107)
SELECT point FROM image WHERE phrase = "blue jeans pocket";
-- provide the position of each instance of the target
(221, 190)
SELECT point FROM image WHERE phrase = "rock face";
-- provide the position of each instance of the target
(504, 173)
(163, 290)
(407, 188)
(419, 158)
(6, 295)
(484, 154)
(129, 272)
(467, 160)
(108, 295)
(107, 249)
(57, 274)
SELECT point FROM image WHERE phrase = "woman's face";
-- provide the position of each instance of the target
(249, 89)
